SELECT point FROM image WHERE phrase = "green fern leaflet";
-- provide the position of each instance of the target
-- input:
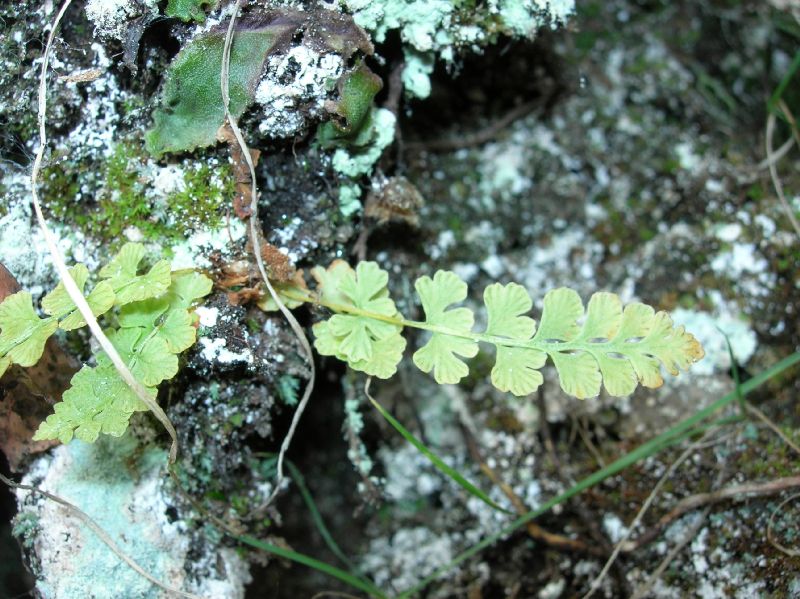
(154, 325)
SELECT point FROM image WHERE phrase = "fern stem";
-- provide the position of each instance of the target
(548, 347)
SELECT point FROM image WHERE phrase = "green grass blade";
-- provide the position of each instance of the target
(299, 480)
(435, 460)
(735, 370)
(643, 451)
(301, 558)
(778, 93)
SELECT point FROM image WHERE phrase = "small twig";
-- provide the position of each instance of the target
(690, 533)
(595, 585)
(255, 241)
(734, 492)
(101, 534)
(535, 531)
(584, 435)
(477, 138)
(776, 156)
(790, 118)
(778, 546)
(771, 425)
(644, 589)
(393, 99)
(589, 520)
(322, 594)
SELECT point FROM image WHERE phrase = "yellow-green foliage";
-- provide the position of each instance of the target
(602, 344)
(154, 323)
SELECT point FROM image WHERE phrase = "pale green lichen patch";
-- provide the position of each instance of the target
(439, 28)
(349, 203)
(99, 480)
(355, 162)
(118, 482)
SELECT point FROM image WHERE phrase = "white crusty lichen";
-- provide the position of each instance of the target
(715, 331)
(112, 18)
(437, 28)
(294, 89)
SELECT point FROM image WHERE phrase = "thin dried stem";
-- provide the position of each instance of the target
(689, 534)
(771, 425)
(534, 530)
(645, 506)
(770, 538)
(773, 173)
(255, 240)
(69, 284)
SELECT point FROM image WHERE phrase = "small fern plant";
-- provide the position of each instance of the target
(602, 344)
(150, 323)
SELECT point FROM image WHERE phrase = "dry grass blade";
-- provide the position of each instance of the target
(61, 267)
(688, 535)
(773, 173)
(255, 238)
(771, 539)
(595, 585)
(772, 426)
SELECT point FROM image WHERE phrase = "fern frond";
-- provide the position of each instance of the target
(602, 345)
(363, 334)
(152, 332)
(516, 368)
(22, 333)
(128, 285)
(58, 303)
(439, 353)
(98, 401)
(155, 325)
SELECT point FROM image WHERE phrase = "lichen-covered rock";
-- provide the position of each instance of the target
(123, 486)
(441, 29)
(112, 18)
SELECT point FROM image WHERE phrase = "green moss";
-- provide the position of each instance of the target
(26, 529)
(199, 205)
(123, 202)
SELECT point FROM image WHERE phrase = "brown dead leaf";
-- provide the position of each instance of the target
(8, 284)
(244, 296)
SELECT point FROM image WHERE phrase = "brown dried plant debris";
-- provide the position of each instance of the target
(395, 199)
(241, 171)
(240, 278)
